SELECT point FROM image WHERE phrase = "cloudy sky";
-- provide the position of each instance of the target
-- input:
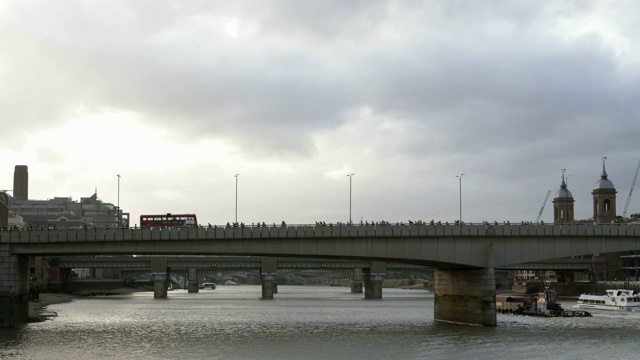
(179, 96)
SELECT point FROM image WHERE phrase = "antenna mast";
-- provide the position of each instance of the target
(624, 214)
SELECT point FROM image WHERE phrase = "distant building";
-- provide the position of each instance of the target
(59, 212)
(563, 203)
(63, 212)
(4, 210)
(15, 221)
(604, 199)
(101, 214)
(18, 211)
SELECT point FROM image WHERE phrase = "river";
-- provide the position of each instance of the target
(305, 322)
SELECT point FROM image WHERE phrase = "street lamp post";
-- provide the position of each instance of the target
(236, 176)
(118, 190)
(119, 212)
(460, 191)
(350, 179)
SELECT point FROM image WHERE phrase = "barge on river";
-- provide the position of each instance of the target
(543, 304)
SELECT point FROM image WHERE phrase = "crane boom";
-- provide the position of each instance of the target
(626, 207)
(543, 204)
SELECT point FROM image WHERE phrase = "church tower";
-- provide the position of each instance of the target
(563, 204)
(604, 199)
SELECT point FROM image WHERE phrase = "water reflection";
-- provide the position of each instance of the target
(303, 323)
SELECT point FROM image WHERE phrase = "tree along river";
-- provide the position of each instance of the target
(304, 322)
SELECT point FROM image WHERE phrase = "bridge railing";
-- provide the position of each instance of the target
(316, 231)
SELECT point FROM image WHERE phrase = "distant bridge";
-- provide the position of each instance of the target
(205, 265)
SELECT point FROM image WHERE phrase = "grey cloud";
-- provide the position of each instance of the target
(452, 76)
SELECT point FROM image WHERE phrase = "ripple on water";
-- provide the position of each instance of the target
(308, 323)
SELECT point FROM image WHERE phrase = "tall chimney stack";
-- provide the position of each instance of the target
(21, 183)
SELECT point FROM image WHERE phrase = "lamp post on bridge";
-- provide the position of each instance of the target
(350, 179)
(236, 176)
(119, 212)
(460, 192)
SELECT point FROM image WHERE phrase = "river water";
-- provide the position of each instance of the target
(305, 322)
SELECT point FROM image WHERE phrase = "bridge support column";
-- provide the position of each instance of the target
(160, 276)
(65, 280)
(373, 285)
(159, 285)
(356, 283)
(373, 278)
(466, 297)
(268, 284)
(268, 270)
(192, 285)
(14, 288)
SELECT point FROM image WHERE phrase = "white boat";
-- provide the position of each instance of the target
(211, 286)
(229, 282)
(615, 299)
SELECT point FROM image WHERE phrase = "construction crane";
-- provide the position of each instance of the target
(543, 204)
(626, 207)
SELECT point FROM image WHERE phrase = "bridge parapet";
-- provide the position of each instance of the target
(313, 231)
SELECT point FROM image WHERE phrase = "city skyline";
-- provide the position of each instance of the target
(295, 96)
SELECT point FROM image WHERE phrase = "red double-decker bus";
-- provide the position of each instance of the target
(168, 220)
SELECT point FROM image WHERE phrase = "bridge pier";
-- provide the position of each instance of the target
(159, 285)
(268, 285)
(192, 284)
(268, 270)
(372, 278)
(65, 280)
(160, 276)
(373, 285)
(356, 283)
(466, 296)
(14, 288)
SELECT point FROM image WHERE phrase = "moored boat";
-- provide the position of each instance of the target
(543, 304)
(614, 299)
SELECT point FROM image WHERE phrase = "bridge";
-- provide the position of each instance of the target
(465, 256)
(196, 267)
(206, 265)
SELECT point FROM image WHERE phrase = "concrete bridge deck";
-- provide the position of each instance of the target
(439, 246)
(465, 256)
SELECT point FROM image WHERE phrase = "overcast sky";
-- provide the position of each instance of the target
(179, 96)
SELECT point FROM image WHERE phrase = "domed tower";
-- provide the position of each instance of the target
(604, 199)
(563, 203)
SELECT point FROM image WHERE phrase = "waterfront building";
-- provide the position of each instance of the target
(64, 212)
(99, 213)
(19, 212)
(15, 221)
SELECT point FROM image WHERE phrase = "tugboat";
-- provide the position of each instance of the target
(544, 304)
